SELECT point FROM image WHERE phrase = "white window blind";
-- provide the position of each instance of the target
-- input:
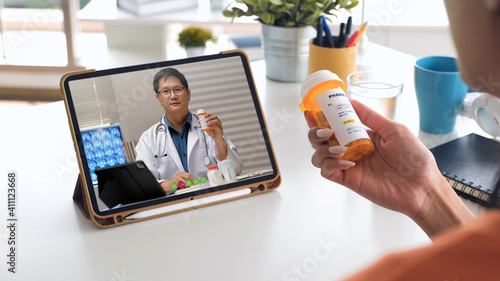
(221, 88)
(94, 101)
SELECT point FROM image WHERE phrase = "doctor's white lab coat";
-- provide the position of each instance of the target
(166, 167)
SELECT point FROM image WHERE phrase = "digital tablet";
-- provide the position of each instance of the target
(124, 115)
(127, 183)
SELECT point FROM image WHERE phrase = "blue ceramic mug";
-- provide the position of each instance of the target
(440, 93)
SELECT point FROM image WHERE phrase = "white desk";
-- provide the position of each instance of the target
(308, 229)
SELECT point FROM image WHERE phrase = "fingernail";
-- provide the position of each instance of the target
(337, 149)
(346, 163)
(324, 133)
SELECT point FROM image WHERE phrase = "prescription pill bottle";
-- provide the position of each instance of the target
(202, 114)
(227, 169)
(214, 176)
(323, 94)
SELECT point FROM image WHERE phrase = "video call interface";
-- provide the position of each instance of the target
(114, 108)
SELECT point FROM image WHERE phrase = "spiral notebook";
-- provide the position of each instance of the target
(470, 165)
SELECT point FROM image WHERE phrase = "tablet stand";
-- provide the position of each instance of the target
(79, 199)
(82, 202)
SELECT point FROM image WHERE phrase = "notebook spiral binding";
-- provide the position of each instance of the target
(467, 189)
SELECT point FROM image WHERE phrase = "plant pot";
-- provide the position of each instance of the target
(195, 51)
(286, 52)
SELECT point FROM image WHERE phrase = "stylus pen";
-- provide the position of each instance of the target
(188, 204)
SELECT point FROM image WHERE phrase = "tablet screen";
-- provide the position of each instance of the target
(123, 115)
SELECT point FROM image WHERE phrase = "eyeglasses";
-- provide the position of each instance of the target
(176, 91)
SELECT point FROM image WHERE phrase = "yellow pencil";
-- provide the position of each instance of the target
(361, 31)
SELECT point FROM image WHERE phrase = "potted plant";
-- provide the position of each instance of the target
(194, 40)
(287, 28)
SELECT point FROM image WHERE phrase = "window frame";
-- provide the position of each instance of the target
(71, 30)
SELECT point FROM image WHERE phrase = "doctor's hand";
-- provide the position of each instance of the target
(179, 177)
(216, 132)
(401, 174)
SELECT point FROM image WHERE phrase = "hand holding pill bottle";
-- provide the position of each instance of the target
(323, 95)
(202, 115)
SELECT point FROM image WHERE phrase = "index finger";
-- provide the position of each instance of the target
(184, 176)
(211, 116)
(316, 140)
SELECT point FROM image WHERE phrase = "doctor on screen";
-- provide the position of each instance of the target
(176, 149)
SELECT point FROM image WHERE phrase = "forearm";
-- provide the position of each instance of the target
(442, 209)
(221, 149)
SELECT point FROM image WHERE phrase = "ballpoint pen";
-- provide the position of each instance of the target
(319, 33)
(348, 27)
(342, 36)
(329, 38)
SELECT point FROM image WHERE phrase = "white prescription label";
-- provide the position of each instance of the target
(341, 116)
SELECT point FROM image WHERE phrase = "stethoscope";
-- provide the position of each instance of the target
(161, 130)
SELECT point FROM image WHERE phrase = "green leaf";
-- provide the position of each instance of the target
(267, 18)
(251, 2)
(352, 5)
(264, 4)
(227, 13)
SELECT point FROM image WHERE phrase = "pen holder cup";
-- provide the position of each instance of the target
(341, 61)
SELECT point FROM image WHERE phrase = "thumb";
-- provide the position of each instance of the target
(369, 117)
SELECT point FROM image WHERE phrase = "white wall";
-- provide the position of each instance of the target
(136, 102)
(416, 41)
(416, 27)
